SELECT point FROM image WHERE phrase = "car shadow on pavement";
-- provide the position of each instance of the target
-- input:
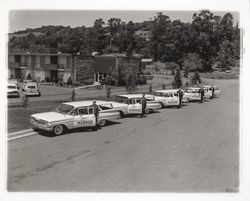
(50, 134)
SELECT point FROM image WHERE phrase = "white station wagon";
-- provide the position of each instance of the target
(71, 115)
(169, 97)
(133, 103)
(216, 90)
(192, 94)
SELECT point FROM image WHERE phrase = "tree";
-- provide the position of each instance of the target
(203, 28)
(129, 51)
(177, 83)
(191, 62)
(226, 57)
(196, 78)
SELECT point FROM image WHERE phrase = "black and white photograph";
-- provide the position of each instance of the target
(124, 100)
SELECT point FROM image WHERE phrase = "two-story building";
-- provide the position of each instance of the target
(40, 66)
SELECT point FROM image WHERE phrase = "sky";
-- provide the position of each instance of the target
(22, 19)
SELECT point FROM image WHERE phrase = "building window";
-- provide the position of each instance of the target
(68, 62)
(53, 59)
(42, 59)
(17, 58)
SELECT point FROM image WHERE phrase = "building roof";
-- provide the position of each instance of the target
(85, 103)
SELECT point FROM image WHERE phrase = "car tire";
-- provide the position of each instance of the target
(162, 105)
(147, 111)
(58, 130)
(102, 122)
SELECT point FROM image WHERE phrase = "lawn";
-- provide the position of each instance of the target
(219, 75)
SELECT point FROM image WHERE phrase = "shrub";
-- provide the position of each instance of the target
(69, 82)
(28, 77)
(47, 79)
(177, 83)
(196, 78)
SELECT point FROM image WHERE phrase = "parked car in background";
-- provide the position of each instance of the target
(133, 103)
(216, 90)
(169, 97)
(31, 89)
(192, 94)
(72, 115)
(12, 90)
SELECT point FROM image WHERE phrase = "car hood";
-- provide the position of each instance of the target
(51, 116)
(12, 90)
(116, 104)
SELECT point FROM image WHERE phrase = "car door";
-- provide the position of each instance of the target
(168, 99)
(176, 98)
(196, 95)
(135, 106)
(84, 117)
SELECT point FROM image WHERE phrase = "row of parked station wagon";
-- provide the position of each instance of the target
(70, 115)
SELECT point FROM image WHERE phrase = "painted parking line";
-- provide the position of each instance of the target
(21, 136)
(19, 132)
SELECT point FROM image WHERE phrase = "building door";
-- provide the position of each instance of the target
(53, 75)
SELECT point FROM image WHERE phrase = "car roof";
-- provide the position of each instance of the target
(195, 88)
(30, 83)
(134, 95)
(85, 103)
(167, 90)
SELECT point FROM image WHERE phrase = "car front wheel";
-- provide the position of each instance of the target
(102, 122)
(58, 129)
(147, 111)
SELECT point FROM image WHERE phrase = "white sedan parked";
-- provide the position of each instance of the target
(74, 115)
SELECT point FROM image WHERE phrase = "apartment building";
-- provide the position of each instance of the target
(40, 66)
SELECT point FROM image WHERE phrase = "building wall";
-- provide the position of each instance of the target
(11, 58)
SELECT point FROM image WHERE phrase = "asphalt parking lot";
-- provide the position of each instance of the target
(193, 149)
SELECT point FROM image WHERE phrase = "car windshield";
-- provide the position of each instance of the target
(64, 108)
(11, 87)
(121, 99)
(188, 90)
(31, 87)
(159, 94)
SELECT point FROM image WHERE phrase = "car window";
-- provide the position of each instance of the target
(11, 87)
(158, 94)
(121, 99)
(31, 87)
(138, 101)
(176, 94)
(91, 110)
(170, 95)
(73, 112)
(64, 108)
(82, 111)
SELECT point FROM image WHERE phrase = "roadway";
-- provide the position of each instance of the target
(193, 149)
